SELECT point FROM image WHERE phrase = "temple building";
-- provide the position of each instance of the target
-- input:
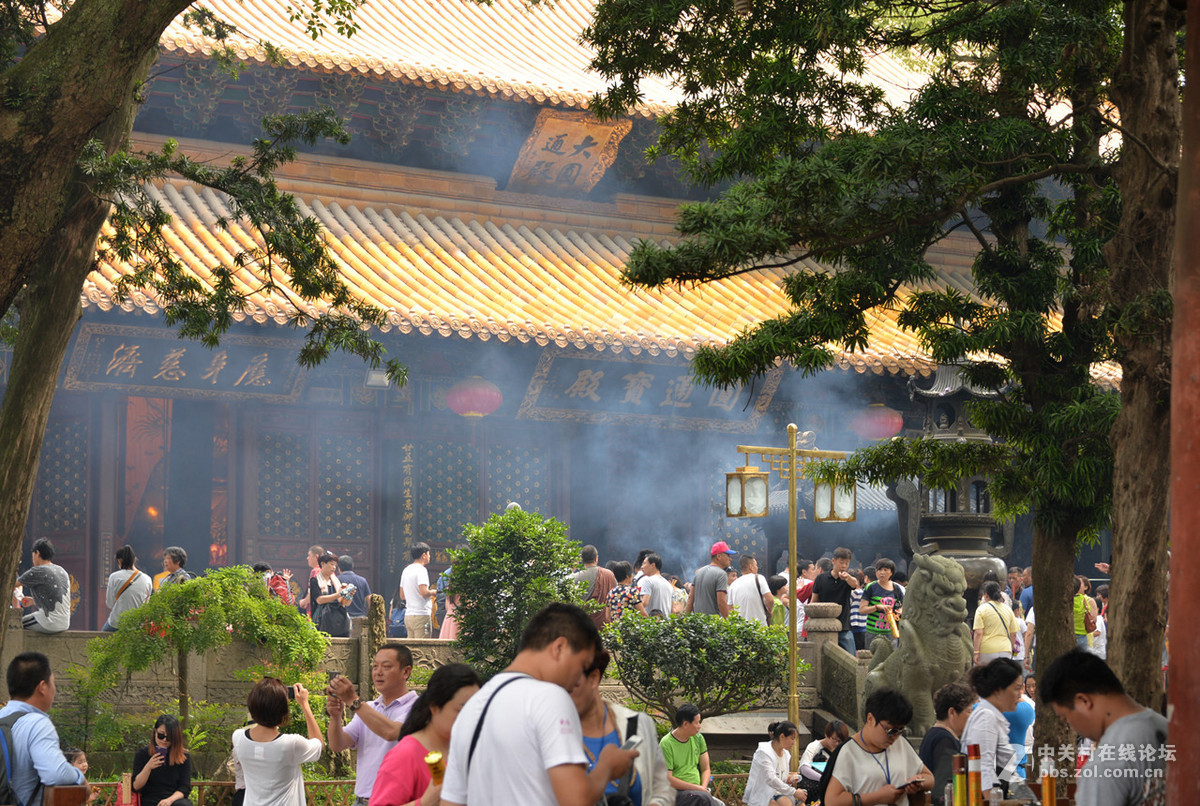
(489, 214)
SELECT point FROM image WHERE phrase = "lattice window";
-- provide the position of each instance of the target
(283, 463)
(744, 535)
(62, 495)
(519, 474)
(447, 491)
(344, 488)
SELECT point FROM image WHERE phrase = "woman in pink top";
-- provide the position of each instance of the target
(404, 778)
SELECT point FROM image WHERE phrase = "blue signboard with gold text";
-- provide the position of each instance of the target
(155, 362)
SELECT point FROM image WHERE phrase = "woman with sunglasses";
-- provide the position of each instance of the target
(162, 772)
(878, 765)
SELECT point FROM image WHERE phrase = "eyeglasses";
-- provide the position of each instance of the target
(895, 731)
(162, 737)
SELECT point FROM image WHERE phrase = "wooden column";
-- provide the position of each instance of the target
(1183, 785)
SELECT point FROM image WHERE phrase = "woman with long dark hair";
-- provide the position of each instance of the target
(162, 772)
(404, 777)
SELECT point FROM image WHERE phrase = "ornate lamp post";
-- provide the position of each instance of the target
(746, 496)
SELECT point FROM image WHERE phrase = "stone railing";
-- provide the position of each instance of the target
(838, 676)
(210, 677)
(834, 681)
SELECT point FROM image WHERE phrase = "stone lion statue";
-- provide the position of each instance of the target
(935, 645)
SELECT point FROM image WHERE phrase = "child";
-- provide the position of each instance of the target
(77, 758)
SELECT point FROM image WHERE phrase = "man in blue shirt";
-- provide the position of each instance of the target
(346, 575)
(1027, 589)
(37, 759)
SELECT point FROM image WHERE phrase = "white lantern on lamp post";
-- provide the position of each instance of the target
(746, 496)
(746, 493)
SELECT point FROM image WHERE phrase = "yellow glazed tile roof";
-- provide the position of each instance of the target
(480, 278)
(506, 48)
(463, 261)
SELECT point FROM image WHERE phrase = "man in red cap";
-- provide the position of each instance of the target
(710, 588)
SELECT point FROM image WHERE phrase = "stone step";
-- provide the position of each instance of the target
(735, 736)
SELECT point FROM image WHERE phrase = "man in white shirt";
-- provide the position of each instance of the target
(418, 597)
(656, 591)
(749, 594)
(518, 739)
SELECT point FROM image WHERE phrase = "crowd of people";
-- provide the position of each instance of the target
(871, 596)
(540, 732)
(43, 592)
(551, 738)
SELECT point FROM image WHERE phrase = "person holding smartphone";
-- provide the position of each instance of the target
(605, 723)
(270, 761)
(771, 783)
(162, 772)
(878, 765)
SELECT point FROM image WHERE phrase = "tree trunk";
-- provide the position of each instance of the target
(49, 308)
(1053, 587)
(1137, 612)
(62, 91)
(1142, 260)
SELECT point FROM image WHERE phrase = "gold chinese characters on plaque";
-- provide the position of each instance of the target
(567, 153)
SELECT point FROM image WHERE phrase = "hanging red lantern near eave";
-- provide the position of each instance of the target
(877, 422)
(474, 397)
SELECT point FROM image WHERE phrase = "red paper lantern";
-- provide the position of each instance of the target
(474, 397)
(877, 422)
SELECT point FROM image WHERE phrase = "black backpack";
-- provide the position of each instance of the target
(7, 794)
(827, 773)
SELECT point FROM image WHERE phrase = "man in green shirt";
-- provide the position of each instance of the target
(686, 753)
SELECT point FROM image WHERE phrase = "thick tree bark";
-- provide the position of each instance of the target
(1142, 261)
(56, 97)
(1053, 587)
(48, 307)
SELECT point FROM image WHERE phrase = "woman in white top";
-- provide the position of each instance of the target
(271, 760)
(878, 765)
(770, 783)
(128, 588)
(999, 686)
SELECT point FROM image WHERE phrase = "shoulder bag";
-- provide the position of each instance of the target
(331, 617)
(1012, 639)
(136, 573)
(1089, 621)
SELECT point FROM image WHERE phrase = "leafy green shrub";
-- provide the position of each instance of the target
(718, 664)
(419, 677)
(207, 613)
(514, 565)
